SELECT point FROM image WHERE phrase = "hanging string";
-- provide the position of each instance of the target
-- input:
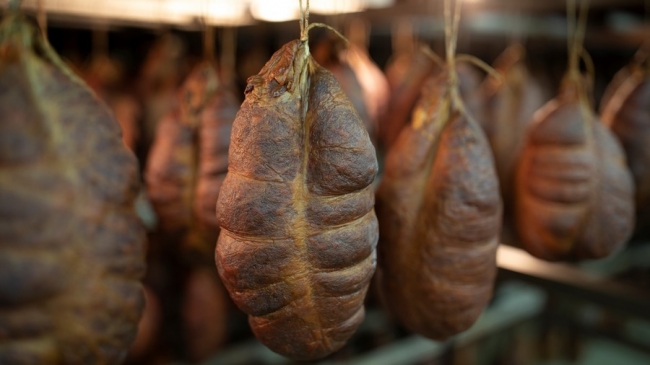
(304, 21)
(481, 64)
(448, 30)
(452, 25)
(576, 35)
(450, 49)
(305, 27)
(338, 34)
(581, 28)
(576, 30)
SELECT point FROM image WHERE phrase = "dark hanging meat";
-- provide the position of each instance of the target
(406, 93)
(439, 212)
(627, 114)
(574, 193)
(71, 245)
(189, 158)
(509, 107)
(186, 168)
(298, 229)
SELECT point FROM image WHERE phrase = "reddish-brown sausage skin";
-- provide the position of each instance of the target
(574, 193)
(440, 213)
(71, 245)
(298, 229)
(627, 114)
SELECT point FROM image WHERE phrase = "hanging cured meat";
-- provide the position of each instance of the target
(71, 245)
(189, 158)
(439, 213)
(186, 168)
(574, 192)
(509, 107)
(627, 114)
(298, 228)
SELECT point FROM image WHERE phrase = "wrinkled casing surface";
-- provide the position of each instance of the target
(71, 246)
(440, 213)
(189, 158)
(574, 192)
(298, 229)
(628, 116)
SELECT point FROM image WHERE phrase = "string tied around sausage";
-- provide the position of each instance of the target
(305, 27)
(452, 23)
(576, 30)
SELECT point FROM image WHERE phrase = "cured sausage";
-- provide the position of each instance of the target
(298, 228)
(189, 158)
(439, 212)
(574, 192)
(71, 245)
(627, 114)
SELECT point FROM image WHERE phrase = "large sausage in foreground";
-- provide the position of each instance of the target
(298, 228)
